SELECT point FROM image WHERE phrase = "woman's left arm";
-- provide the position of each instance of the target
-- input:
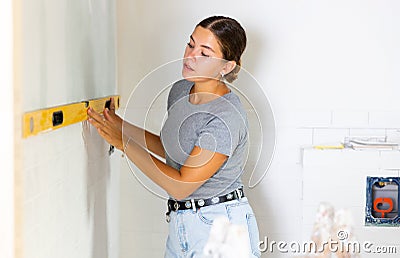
(199, 166)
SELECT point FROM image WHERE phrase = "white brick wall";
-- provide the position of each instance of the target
(387, 119)
(339, 178)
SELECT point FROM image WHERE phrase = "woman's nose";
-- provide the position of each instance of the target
(193, 52)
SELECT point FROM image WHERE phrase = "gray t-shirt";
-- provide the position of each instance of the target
(219, 126)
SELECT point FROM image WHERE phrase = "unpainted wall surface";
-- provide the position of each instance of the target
(68, 182)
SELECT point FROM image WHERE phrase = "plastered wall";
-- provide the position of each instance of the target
(7, 137)
(67, 183)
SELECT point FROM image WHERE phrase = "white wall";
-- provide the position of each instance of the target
(7, 136)
(329, 69)
(67, 183)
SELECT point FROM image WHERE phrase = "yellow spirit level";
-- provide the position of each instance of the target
(49, 119)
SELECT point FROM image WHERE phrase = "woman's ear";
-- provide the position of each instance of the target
(228, 67)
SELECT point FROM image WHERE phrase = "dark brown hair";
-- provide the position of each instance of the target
(231, 37)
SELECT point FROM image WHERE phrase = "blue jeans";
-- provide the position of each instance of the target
(189, 230)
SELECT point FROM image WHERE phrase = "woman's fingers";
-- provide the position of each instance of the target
(114, 119)
(108, 114)
(95, 116)
(97, 120)
(112, 105)
(106, 127)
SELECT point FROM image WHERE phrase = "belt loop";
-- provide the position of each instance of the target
(193, 205)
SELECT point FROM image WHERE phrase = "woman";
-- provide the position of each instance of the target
(204, 141)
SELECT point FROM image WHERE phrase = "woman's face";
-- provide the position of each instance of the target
(203, 56)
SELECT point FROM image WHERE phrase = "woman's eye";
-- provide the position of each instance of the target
(190, 45)
(202, 53)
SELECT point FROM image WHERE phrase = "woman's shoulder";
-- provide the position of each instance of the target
(178, 90)
(232, 103)
(181, 86)
(229, 108)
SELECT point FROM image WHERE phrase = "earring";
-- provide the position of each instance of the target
(222, 76)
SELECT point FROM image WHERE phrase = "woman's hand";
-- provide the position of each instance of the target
(109, 125)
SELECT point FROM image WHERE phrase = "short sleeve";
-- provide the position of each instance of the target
(218, 135)
(178, 91)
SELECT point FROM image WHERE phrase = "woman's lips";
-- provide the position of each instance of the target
(188, 67)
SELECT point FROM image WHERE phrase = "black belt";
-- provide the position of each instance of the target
(174, 205)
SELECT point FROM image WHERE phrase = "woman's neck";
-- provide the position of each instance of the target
(203, 92)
